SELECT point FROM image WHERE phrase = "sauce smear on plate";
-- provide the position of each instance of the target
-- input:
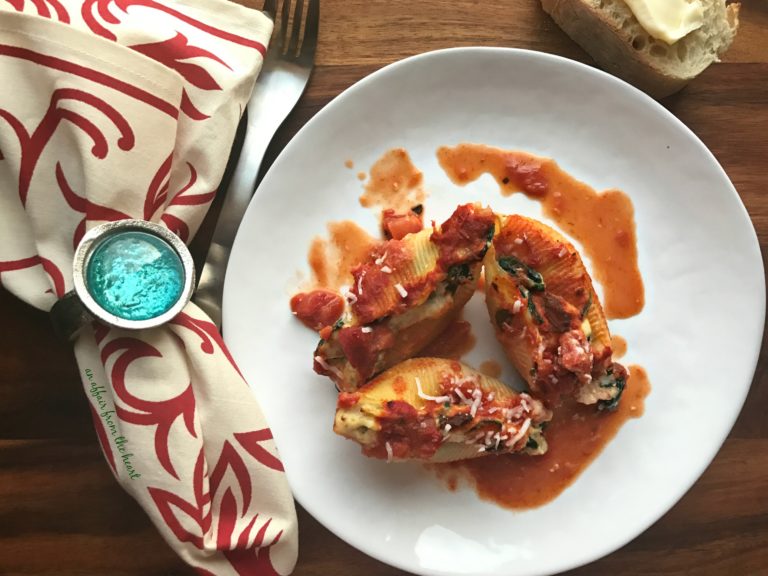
(618, 346)
(576, 435)
(490, 368)
(602, 222)
(394, 182)
(332, 259)
(454, 342)
(604, 225)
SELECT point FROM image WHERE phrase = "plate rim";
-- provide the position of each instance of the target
(595, 553)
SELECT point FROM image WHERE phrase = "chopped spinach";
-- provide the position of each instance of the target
(457, 275)
(619, 384)
(488, 239)
(418, 209)
(532, 444)
(533, 311)
(458, 420)
(527, 275)
(488, 422)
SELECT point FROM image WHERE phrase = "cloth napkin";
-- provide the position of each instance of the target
(113, 109)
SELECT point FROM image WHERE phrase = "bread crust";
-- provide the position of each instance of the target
(612, 49)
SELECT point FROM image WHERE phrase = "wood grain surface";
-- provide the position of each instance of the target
(61, 512)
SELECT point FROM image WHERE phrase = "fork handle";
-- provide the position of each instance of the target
(210, 289)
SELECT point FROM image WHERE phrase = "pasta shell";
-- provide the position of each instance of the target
(547, 315)
(405, 296)
(601, 336)
(416, 258)
(509, 319)
(440, 410)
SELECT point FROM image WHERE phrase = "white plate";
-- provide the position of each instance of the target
(698, 336)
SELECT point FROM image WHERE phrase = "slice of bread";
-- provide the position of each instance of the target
(610, 33)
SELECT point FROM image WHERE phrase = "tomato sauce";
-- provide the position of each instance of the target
(618, 346)
(397, 225)
(332, 259)
(454, 342)
(490, 368)
(402, 430)
(602, 222)
(604, 225)
(576, 435)
(317, 309)
(464, 235)
(394, 182)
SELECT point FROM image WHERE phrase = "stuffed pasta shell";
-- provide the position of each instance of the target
(440, 410)
(547, 316)
(404, 295)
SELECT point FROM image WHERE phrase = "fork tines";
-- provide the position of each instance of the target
(300, 41)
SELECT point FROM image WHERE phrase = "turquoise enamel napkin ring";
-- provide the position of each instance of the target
(131, 274)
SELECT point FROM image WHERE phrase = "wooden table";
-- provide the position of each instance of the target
(62, 513)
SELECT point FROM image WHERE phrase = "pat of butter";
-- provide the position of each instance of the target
(668, 20)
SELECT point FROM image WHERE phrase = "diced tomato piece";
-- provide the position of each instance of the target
(465, 235)
(362, 347)
(398, 226)
(317, 309)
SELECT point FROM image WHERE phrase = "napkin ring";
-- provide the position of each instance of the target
(131, 274)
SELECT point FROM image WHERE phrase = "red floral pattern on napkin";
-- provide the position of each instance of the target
(114, 109)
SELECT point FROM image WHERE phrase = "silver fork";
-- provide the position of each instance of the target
(282, 81)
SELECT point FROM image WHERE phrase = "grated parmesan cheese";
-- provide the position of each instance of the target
(332, 369)
(400, 290)
(348, 296)
(461, 396)
(386, 269)
(516, 306)
(379, 261)
(388, 448)
(366, 330)
(520, 433)
(475, 406)
(420, 392)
